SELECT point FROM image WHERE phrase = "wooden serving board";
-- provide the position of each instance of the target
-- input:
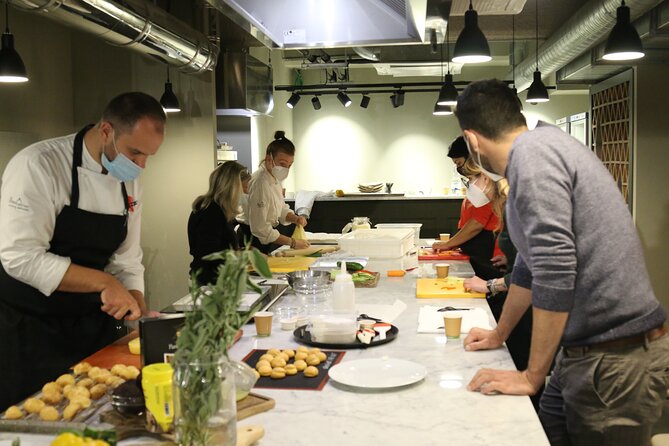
(289, 264)
(444, 288)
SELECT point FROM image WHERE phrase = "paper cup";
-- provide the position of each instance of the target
(263, 321)
(452, 324)
(444, 237)
(442, 270)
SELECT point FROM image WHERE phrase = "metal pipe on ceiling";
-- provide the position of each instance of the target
(135, 24)
(590, 24)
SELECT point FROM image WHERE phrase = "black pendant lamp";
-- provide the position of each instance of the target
(12, 69)
(169, 100)
(448, 95)
(471, 46)
(537, 91)
(624, 42)
(442, 110)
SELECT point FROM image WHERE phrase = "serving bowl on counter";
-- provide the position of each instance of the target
(306, 281)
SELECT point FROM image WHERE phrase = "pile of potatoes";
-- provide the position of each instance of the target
(276, 364)
(74, 392)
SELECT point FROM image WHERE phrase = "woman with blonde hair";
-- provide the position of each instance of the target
(211, 222)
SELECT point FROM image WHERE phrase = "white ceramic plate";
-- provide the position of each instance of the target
(381, 373)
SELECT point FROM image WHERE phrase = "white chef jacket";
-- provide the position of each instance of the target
(36, 185)
(266, 208)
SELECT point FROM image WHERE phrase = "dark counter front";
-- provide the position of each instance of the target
(436, 214)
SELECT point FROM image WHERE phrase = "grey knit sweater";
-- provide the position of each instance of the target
(578, 249)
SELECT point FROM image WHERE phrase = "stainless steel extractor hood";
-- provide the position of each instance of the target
(243, 85)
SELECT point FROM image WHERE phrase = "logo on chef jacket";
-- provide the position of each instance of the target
(17, 203)
(132, 203)
(261, 204)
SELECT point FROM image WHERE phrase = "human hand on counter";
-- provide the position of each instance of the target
(117, 301)
(482, 339)
(508, 382)
(475, 284)
(440, 246)
(301, 244)
(500, 262)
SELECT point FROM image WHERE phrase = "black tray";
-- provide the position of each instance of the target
(303, 336)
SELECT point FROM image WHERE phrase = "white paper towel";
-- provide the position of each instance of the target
(432, 321)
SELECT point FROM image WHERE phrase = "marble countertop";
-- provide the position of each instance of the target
(383, 197)
(436, 411)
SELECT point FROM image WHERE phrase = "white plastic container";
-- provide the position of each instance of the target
(407, 261)
(334, 328)
(343, 291)
(414, 226)
(378, 243)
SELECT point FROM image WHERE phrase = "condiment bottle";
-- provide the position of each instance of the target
(157, 386)
(343, 291)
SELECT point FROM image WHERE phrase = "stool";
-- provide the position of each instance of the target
(660, 440)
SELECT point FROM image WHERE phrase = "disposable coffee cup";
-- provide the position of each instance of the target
(263, 321)
(452, 324)
(442, 270)
(444, 237)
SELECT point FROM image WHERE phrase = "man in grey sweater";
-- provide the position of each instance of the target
(581, 267)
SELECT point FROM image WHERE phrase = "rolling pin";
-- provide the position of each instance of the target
(307, 251)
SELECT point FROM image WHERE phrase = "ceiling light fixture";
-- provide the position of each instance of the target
(12, 69)
(364, 102)
(293, 100)
(316, 103)
(448, 95)
(442, 110)
(471, 46)
(344, 99)
(624, 42)
(397, 99)
(169, 100)
(537, 91)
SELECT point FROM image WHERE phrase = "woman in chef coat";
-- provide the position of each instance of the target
(266, 207)
(211, 223)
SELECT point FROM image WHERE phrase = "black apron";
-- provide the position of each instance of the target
(244, 235)
(480, 250)
(42, 336)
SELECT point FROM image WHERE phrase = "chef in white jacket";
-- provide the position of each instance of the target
(69, 243)
(266, 208)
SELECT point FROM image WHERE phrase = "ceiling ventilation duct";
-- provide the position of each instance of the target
(243, 85)
(135, 24)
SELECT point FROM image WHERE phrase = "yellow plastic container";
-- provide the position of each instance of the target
(157, 386)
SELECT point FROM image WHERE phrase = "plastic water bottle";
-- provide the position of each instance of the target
(343, 291)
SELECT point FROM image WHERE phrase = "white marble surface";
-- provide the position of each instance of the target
(436, 411)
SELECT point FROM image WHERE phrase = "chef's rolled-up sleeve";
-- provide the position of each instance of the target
(285, 210)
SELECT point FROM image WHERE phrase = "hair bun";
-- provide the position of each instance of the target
(279, 134)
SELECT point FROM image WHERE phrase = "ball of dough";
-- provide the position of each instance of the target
(118, 370)
(262, 363)
(52, 398)
(33, 405)
(51, 387)
(278, 362)
(310, 371)
(81, 400)
(94, 371)
(267, 357)
(13, 413)
(71, 411)
(102, 376)
(301, 356)
(265, 370)
(273, 351)
(321, 356)
(289, 352)
(290, 369)
(49, 413)
(68, 388)
(98, 391)
(81, 368)
(278, 373)
(64, 380)
(313, 360)
(86, 382)
(300, 365)
(76, 392)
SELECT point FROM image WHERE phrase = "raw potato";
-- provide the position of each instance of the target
(13, 413)
(313, 360)
(300, 365)
(278, 362)
(261, 363)
(321, 356)
(301, 356)
(265, 370)
(52, 398)
(49, 413)
(51, 387)
(81, 368)
(86, 382)
(98, 391)
(289, 352)
(64, 380)
(278, 373)
(311, 372)
(33, 405)
(290, 369)
(71, 411)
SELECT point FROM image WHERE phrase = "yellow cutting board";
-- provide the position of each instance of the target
(289, 264)
(443, 289)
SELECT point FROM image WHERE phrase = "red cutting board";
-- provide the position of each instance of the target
(428, 254)
(116, 353)
(451, 287)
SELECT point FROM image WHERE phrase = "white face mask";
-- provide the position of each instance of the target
(493, 176)
(476, 196)
(279, 172)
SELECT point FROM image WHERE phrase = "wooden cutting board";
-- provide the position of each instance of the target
(323, 249)
(289, 264)
(116, 353)
(443, 289)
(428, 254)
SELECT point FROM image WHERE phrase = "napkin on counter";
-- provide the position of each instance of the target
(432, 321)
(304, 201)
(387, 313)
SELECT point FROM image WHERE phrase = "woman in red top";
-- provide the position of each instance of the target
(479, 221)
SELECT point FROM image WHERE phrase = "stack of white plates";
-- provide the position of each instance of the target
(370, 188)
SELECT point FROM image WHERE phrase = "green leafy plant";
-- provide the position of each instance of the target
(207, 334)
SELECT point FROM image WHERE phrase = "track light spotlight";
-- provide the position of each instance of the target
(294, 99)
(344, 99)
(397, 99)
(316, 103)
(364, 102)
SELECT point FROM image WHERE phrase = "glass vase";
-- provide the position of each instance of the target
(205, 409)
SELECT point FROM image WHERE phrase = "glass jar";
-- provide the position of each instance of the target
(205, 409)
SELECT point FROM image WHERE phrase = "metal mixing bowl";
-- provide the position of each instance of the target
(306, 281)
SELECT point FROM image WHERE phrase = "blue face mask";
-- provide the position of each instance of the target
(121, 168)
